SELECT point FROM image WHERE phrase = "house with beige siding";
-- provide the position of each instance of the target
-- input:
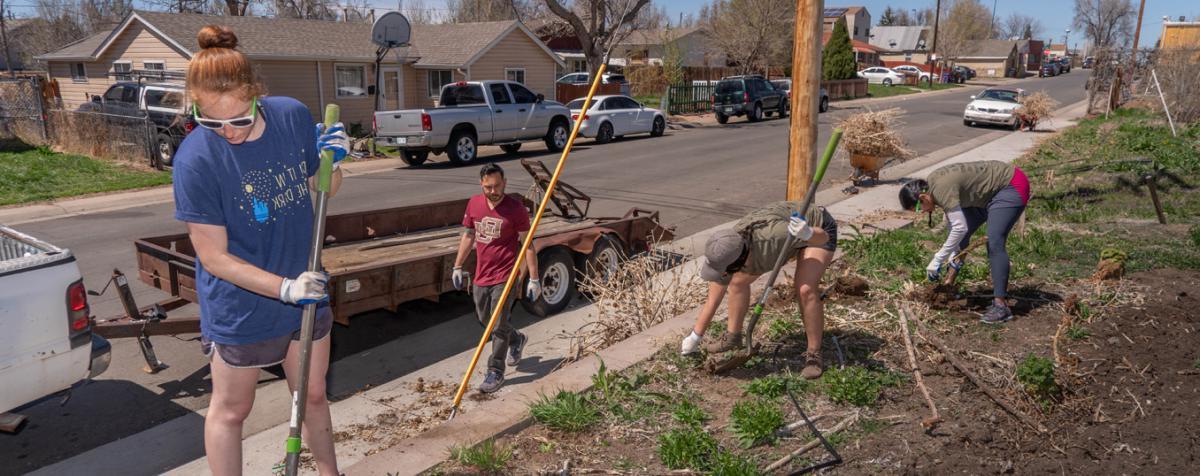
(317, 62)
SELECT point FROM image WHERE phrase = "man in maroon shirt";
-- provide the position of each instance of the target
(495, 224)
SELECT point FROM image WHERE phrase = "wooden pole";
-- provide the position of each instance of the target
(806, 85)
(1137, 34)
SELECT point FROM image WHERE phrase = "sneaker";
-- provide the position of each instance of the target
(812, 366)
(727, 342)
(996, 314)
(492, 382)
(691, 344)
(515, 349)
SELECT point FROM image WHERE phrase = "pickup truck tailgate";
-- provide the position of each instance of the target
(389, 123)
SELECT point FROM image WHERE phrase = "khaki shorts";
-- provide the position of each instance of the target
(264, 353)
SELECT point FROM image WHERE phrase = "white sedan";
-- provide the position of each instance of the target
(995, 106)
(615, 116)
(913, 70)
(881, 75)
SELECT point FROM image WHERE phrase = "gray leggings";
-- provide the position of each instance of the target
(1001, 214)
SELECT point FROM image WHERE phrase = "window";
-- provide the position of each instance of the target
(164, 99)
(521, 95)
(350, 80)
(908, 56)
(437, 79)
(122, 70)
(579, 66)
(609, 104)
(629, 103)
(856, 31)
(500, 94)
(78, 72)
(154, 66)
(116, 94)
(515, 74)
(462, 95)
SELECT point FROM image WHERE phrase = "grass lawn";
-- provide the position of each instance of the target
(924, 86)
(649, 101)
(36, 174)
(881, 91)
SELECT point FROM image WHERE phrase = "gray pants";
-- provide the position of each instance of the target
(486, 298)
(1000, 215)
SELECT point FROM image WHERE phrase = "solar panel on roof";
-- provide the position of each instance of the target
(834, 12)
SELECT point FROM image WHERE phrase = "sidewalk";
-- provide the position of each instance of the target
(18, 214)
(405, 406)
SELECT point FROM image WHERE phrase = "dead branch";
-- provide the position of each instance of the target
(842, 425)
(931, 422)
(958, 364)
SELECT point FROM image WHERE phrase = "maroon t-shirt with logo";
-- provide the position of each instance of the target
(496, 230)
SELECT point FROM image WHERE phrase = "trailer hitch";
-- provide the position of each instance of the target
(154, 314)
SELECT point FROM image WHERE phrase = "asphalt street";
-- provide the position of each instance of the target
(697, 178)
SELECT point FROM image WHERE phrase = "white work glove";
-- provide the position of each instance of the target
(458, 278)
(799, 228)
(691, 344)
(533, 289)
(933, 272)
(308, 288)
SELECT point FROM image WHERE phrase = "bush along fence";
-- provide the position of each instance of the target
(26, 115)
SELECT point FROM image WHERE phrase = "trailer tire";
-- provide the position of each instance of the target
(557, 271)
(605, 259)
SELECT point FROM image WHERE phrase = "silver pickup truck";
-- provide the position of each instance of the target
(472, 114)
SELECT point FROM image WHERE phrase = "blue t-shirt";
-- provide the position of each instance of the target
(259, 192)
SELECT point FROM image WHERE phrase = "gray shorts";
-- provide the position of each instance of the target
(831, 228)
(265, 353)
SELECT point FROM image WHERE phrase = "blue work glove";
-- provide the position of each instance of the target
(957, 260)
(334, 140)
(308, 288)
(798, 227)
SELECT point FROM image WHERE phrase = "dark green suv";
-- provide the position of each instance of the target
(750, 96)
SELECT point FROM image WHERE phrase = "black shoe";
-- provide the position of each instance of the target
(996, 315)
(493, 382)
(515, 349)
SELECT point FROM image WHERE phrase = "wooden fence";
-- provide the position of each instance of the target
(845, 88)
(691, 98)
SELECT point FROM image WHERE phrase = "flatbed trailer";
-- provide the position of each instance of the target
(379, 259)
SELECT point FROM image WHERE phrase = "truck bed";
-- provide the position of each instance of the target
(19, 251)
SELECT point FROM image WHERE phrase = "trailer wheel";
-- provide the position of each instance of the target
(605, 258)
(557, 271)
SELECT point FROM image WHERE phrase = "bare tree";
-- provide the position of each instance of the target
(748, 32)
(417, 13)
(471, 11)
(967, 22)
(1105, 22)
(1025, 27)
(600, 24)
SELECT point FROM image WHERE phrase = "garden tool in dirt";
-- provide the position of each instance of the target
(309, 318)
(511, 283)
(741, 357)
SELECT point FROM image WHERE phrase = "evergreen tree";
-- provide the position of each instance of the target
(888, 18)
(837, 60)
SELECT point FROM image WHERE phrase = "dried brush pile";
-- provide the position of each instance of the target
(1036, 108)
(641, 293)
(874, 133)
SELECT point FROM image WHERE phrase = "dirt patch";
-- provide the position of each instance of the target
(850, 286)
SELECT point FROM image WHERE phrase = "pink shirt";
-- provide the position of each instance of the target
(496, 236)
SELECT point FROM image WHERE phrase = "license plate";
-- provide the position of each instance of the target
(728, 109)
(401, 140)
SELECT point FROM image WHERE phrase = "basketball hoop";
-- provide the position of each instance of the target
(390, 31)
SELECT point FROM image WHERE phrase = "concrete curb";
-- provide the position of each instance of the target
(70, 207)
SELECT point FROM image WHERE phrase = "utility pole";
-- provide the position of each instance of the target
(937, 15)
(4, 37)
(806, 84)
(1137, 33)
(992, 29)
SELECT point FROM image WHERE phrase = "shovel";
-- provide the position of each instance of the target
(739, 358)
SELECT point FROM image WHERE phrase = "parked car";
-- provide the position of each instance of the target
(1065, 64)
(611, 117)
(994, 106)
(1049, 68)
(750, 96)
(960, 74)
(472, 114)
(162, 102)
(785, 85)
(46, 340)
(914, 71)
(881, 75)
(584, 79)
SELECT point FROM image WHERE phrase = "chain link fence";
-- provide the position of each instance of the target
(22, 110)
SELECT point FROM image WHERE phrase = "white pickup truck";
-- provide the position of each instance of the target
(471, 114)
(46, 340)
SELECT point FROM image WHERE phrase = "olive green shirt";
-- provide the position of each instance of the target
(767, 231)
(969, 184)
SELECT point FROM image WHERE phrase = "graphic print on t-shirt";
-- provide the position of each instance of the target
(488, 229)
(270, 193)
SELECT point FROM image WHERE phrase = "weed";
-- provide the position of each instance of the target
(1114, 255)
(782, 327)
(622, 396)
(755, 421)
(1197, 363)
(487, 457)
(871, 425)
(565, 411)
(996, 336)
(687, 448)
(625, 464)
(754, 362)
(857, 386)
(1078, 333)
(690, 414)
(1037, 375)
(775, 385)
(1194, 231)
(879, 253)
(729, 464)
(717, 328)
(546, 447)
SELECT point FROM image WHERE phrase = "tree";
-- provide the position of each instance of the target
(888, 18)
(416, 12)
(672, 58)
(472, 11)
(751, 34)
(1106, 23)
(837, 58)
(967, 22)
(1020, 26)
(599, 25)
